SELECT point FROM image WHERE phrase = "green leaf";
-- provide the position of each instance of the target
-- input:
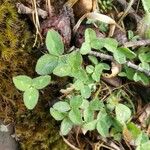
(145, 146)
(97, 44)
(85, 48)
(62, 70)
(103, 125)
(22, 82)
(80, 74)
(74, 60)
(123, 113)
(75, 116)
(93, 59)
(66, 126)
(54, 43)
(90, 125)
(46, 64)
(85, 104)
(96, 104)
(86, 92)
(97, 72)
(145, 66)
(142, 138)
(89, 35)
(30, 98)
(146, 5)
(119, 57)
(134, 130)
(41, 82)
(88, 115)
(76, 101)
(78, 85)
(141, 77)
(144, 57)
(127, 52)
(89, 69)
(56, 114)
(111, 44)
(129, 72)
(61, 106)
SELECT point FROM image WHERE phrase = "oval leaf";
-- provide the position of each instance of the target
(75, 116)
(66, 126)
(56, 114)
(41, 82)
(123, 113)
(22, 82)
(46, 64)
(30, 98)
(61, 106)
(54, 43)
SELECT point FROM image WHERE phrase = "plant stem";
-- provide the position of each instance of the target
(128, 63)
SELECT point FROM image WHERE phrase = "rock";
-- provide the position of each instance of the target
(7, 142)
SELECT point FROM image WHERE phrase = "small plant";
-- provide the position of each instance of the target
(82, 106)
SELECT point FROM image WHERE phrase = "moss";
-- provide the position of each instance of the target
(38, 131)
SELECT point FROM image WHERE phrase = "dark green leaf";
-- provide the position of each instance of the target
(96, 104)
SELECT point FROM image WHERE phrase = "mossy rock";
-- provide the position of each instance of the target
(16, 41)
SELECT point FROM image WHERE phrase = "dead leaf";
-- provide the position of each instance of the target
(115, 70)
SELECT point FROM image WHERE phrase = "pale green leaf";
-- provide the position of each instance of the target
(62, 70)
(75, 116)
(88, 115)
(61, 106)
(119, 57)
(46, 64)
(127, 52)
(89, 69)
(89, 35)
(103, 125)
(86, 92)
(56, 114)
(93, 59)
(41, 82)
(90, 125)
(76, 101)
(30, 98)
(54, 43)
(66, 126)
(22, 82)
(85, 48)
(123, 113)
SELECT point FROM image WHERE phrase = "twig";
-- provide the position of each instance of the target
(69, 144)
(131, 11)
(137, 43)
(126, 11)
(128, 63)
(22, 9)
